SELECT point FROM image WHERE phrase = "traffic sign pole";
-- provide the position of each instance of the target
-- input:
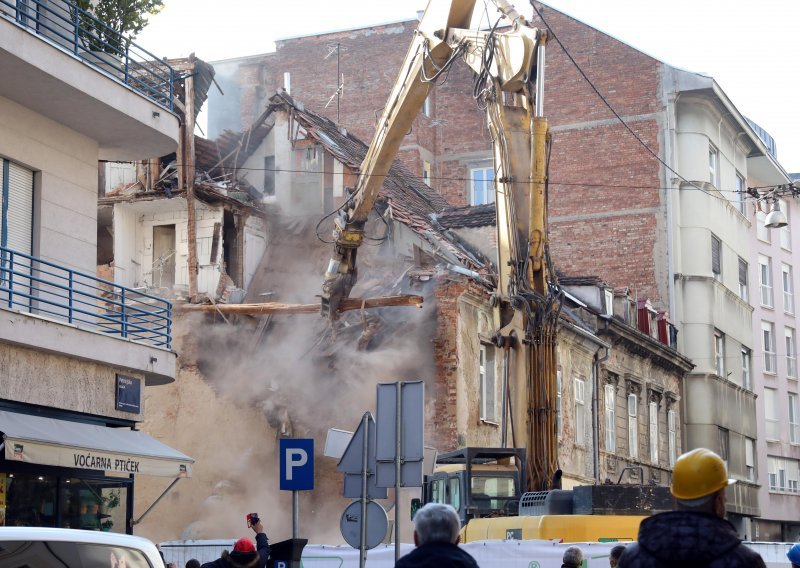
(397, 464)
(295, 514)
(362, 546)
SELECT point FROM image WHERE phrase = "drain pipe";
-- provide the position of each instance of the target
(595, 410)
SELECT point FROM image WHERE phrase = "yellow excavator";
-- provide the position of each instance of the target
(509, 83)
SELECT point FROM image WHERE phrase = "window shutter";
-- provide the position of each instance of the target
(716, 264)
(20, 209)
(742, 272)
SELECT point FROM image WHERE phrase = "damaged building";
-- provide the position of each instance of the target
(293, 375)
(144, 214)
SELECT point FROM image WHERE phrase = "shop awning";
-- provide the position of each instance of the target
(49, 441)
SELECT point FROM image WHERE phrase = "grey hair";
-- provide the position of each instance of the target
(437, 522)
(573, 556)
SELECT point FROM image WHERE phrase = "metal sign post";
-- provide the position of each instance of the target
(296, 472)
(399, 451)
(362, 544)
(363, 523)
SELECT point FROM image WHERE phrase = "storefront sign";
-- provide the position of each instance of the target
(129, 394)
(46, 454)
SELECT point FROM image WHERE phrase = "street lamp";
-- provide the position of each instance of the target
(776, 218)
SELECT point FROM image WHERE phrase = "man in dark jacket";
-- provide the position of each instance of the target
(697, 534)
(244, 554)
(436, 528)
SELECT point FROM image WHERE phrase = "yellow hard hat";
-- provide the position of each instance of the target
(698, 473)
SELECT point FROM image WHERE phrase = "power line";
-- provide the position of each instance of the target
(404, 177)
(614, 112)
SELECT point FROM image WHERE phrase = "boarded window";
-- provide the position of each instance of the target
(633, 426)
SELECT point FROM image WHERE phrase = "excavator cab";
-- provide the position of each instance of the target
(478, 482)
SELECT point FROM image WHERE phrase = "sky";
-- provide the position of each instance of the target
(751, 49)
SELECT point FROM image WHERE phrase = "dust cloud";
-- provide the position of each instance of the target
(245, 382)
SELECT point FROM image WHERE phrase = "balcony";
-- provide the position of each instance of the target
(61, 310)
(74, 69)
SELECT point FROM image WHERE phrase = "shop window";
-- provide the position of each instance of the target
(34, 500)
(30, 500)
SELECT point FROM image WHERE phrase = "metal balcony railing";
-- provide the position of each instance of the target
(63, 24)
(39, 287)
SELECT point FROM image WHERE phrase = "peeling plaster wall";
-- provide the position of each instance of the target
(475, 328)
(656, 382)
(57, 381)
(575, 456)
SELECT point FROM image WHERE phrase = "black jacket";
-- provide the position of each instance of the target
(235, 560)
(688, 540)
(437, 555)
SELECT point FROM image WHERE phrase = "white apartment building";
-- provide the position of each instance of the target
(718, 154)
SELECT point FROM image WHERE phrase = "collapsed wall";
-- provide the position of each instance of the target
(244, 382)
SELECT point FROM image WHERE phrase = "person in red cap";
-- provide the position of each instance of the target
(244, 553)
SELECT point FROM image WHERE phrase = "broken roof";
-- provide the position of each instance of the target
(472, 216)
(412, 202)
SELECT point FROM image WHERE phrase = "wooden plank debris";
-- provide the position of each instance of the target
(280, 308)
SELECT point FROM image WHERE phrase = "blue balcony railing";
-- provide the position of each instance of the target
(36, 286)
(63, 24)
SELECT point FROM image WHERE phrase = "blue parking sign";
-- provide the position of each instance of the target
(297, 464)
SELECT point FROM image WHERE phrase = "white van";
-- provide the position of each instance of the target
(38, 547)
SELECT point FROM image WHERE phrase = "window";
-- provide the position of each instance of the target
(633, 427)
(794, 420)
(481, 186)
(16, 219)
(750, 458)
(784, 474)
(455, 493)
(786, 232)
(673, 437)
(746, 381)
(762, 231)
(488, 390)
(611, 426)
(719, 352)
(653, 417)
(559, 420)
(791, 352)
(580, 410)
(426, 173)
(724, 444)
(768, 343)
(771, 414)
(713, 166)
(741, 188)
(788, 288)
(716, 258)
(743, 292)
(765, 280)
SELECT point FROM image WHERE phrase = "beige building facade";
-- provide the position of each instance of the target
(76, 352)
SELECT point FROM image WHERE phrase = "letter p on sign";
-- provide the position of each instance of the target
(297, 464)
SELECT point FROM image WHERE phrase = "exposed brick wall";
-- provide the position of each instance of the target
(444, 434)
(604, 197)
